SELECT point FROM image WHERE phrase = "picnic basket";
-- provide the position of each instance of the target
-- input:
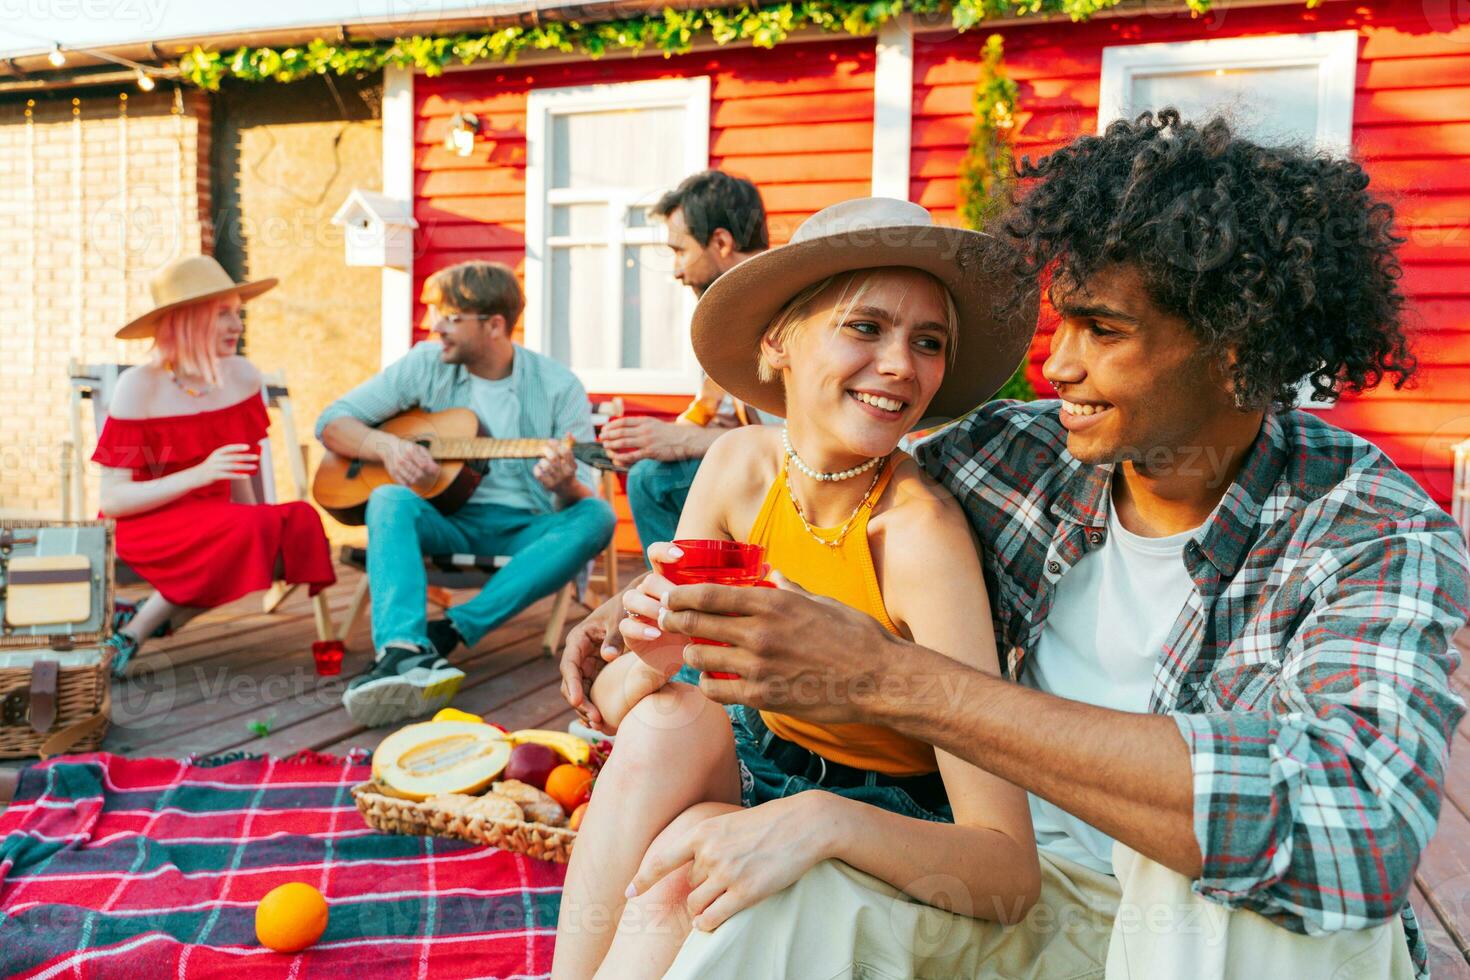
(56, 589)
(393, 815)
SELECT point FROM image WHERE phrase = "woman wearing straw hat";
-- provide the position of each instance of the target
(869, 321)
(183, 433)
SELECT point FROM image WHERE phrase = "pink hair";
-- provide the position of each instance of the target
(185, 339)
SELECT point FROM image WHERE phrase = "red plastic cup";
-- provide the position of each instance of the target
(328, 656)
(717, 562)
(720, 563)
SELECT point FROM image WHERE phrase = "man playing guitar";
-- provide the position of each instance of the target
(544, 513)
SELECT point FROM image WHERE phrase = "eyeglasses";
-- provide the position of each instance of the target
(455, 319)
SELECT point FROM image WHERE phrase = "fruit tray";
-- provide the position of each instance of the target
(393, 815)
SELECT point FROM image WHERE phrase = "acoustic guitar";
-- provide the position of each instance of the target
(456, 439)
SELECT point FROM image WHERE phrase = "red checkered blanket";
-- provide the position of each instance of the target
(114, 867)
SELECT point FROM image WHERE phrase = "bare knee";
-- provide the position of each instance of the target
(676, 722)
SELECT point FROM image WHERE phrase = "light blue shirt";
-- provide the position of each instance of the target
(551, 402)
(499, 409)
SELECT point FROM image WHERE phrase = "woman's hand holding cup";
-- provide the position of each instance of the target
(640, 626)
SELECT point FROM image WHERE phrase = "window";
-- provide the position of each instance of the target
(1295, 89)
(600, 292)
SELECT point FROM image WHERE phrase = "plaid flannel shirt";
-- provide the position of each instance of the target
(1308, 671)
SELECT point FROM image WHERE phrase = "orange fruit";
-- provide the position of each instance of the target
(576, 819)
(567, 784)
(290, 917)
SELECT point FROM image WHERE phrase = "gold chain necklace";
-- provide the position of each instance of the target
(842, 531)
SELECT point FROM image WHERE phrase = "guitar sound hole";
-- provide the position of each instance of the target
(353, 469)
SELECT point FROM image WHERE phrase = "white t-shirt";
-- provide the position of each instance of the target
(499, 409)
(1109, 618)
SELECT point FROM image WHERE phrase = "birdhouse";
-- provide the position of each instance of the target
(378, 229)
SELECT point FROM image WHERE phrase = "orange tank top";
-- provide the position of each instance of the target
(845, 573)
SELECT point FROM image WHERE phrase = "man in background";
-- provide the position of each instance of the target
(715, 222)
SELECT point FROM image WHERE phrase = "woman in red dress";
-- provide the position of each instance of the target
(181, 440)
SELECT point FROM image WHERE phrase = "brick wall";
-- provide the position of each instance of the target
(97, 190)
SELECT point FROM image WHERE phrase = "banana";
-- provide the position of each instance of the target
(571, 748)
(454, 714)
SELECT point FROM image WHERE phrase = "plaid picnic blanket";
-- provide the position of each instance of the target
(114, 867)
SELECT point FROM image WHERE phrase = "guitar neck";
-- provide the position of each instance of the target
(481, 447)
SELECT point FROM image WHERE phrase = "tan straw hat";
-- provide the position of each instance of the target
(997, 312)
(185, 281)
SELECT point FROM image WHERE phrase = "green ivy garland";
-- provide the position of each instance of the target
(669, 31)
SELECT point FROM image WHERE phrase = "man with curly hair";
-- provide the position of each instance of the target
(1229, 623)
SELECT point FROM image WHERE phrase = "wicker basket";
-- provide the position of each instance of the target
(83, 694)
(393, 815)
(83, 705)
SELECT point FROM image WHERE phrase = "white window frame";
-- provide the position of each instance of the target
(690, 94)
(1333, 53)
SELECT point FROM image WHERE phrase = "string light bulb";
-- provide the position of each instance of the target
(57, 57)
(145, 81)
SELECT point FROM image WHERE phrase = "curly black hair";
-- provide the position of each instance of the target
(1277, 253)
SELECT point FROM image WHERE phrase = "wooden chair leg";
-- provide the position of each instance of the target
(354, 608)
(559, 607)
(323, 615)
(278, 593)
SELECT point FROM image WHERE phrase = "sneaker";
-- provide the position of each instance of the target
(444, 638)
(406, 682)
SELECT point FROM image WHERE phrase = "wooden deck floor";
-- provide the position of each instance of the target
(235, 670)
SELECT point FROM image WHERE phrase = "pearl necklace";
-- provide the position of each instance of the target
(800, 464)
(846, 525)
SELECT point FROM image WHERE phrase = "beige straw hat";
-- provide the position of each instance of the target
(185, 281)
(997, 312)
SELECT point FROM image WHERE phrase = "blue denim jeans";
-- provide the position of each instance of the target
(548, 550)
(656, 494)
(761, 780)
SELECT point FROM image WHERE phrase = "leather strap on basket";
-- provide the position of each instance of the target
(42, 714)
(9, 782)
(59, 743)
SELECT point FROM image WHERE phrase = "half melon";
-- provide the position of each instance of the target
(436, 757)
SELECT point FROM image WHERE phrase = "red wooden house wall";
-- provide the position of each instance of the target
(798, 121)
(1411, 130)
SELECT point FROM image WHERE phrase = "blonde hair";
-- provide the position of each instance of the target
(185, 340)
(794, 314)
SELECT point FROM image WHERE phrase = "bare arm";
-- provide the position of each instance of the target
(598, 639)
(348, 437)
(123, 497)
(1127, 774)
(933, 588)
(407, 462)
(631, 438)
